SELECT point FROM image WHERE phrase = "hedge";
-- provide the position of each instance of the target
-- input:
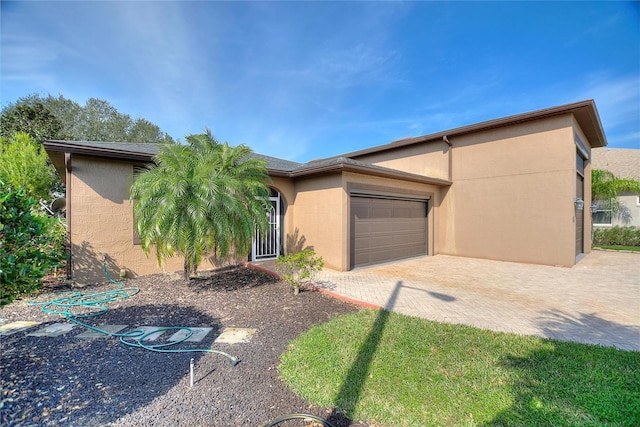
(617, 236)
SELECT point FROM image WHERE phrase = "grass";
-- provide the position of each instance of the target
(619, 248)
(396, 370)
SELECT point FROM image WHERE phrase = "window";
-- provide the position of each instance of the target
(580, 164)
(602, 212)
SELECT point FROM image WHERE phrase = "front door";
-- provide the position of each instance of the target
(267, 246)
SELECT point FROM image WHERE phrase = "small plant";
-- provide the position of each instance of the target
(296, 269)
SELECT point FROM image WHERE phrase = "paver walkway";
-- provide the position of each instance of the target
(596, 302)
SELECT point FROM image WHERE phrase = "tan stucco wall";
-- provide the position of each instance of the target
(102, 223)
(513, 191)
(319, 217)
(513, 194)
(429, 159)
(629, 215)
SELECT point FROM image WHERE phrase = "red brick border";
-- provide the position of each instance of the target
(252, 266)
(346, 299)
(315, 288)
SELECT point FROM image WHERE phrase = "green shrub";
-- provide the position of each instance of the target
(617, 236)
(296, 269)
(31, 244)
(23, 162)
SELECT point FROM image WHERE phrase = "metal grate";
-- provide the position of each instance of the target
(267, 246)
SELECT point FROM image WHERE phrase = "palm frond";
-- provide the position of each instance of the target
(200, 197)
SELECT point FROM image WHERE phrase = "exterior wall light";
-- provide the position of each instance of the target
(579, 203)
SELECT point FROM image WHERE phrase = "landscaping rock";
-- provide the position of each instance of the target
(73, 381)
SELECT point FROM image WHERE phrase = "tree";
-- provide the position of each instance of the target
(143, 130)
(31, 244)
(200, 198)
(606, 187)
(60, 118)
(33, 119)
(24, 162)
(97, 120)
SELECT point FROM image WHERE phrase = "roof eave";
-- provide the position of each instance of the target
(372, 171)
(63, 147)
(276, 173)
(585, 112)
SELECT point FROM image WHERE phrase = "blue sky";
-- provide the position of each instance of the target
(303, 80)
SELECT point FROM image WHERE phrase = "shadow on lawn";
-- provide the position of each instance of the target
(70, 380)
(572, 384)
(352, 386)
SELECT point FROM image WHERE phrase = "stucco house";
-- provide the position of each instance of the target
(512, 189)
(623, 163)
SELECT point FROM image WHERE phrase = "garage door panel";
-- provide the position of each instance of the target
(408, 240)
(377, 227)
(362, 244)
(360, 211)
(381, 212)
(381, 242)
(409, 226)
(362, 228)
(387, 229)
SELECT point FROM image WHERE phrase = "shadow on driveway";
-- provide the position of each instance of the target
(588, 329)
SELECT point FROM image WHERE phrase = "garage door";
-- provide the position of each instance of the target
(384, 229)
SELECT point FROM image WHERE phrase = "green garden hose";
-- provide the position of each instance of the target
(92, 304)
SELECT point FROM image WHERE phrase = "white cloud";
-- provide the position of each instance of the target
(617, 99)
(357, 65)
(31, 60)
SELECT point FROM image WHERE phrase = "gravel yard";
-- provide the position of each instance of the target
(73, 381)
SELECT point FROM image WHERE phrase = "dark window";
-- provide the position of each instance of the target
(602, 212)
(580, 163)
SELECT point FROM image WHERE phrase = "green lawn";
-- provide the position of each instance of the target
(396, 370)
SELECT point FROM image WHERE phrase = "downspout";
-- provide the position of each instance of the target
(446, 141)
(67, 167)
(441, 194)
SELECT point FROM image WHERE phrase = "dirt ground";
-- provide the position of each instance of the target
(73, 381)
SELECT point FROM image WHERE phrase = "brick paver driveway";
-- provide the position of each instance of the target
(596, 302)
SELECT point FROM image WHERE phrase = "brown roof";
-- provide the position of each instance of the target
(138, 151)
(585, 113)
(622, 162)
(144, 152)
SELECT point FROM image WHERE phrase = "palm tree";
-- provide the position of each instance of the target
(201, 198)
